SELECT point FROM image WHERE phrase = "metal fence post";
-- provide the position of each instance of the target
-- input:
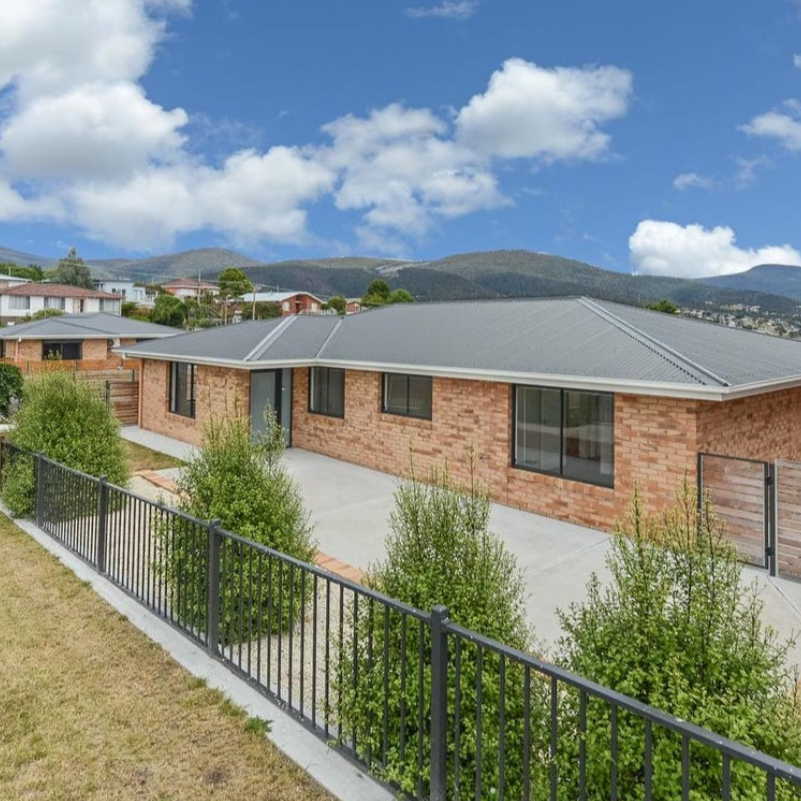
(39, 490)
(102, 525)
(439, 702)
(213, 588)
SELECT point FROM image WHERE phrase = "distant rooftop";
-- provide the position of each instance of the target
(548, 341)
(57, 291)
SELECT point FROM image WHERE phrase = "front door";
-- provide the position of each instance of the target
(271, 389)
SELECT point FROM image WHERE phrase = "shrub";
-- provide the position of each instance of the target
(674, 630)
(10, 386)
(439, 551)
(239, 479)
(68, 421)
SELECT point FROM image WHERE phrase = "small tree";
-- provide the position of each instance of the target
(68, 421)
(439, 551)
(377, 293)
(674, 630)
(233, 283)
(338, 303)
(240, 480)
(400, 296)
(72, 270)
(169, 310)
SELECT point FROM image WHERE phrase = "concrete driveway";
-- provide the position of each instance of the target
(350, 508)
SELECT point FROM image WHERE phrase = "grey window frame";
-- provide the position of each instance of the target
(174, 406)
(50, 346)
(315, 375)
(560, 473)
(408, 412)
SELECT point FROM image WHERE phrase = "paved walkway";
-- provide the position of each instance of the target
(350, 507)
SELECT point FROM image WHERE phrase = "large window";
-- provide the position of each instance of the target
(69, 351)
(407, 395)
(19, 302)
(566, 433)
(56, 303)
(183, 388)
(327, 391)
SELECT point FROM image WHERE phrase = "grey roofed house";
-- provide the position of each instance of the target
(589, 343)
(97, 325)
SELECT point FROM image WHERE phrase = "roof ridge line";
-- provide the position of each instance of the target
(636, 333)
(330, 335)
(270, 337)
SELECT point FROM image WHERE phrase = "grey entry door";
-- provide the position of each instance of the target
(271, 389)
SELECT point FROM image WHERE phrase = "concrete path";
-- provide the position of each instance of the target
(350, 508)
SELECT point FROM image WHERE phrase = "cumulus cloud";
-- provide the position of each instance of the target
(529, 111)
(81, 141)
(782, 125)
(692, 251)
(450, 9)
(691, 180)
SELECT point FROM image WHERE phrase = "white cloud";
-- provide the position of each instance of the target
(691, 251)
(533, 112)
(688, 180)
(450, 9)
(783, 125)
(797, 61)
(747, 170)
(81, 141)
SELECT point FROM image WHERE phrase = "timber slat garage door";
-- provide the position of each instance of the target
(788, 495)
(736, 488)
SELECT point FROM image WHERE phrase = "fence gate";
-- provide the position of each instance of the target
(123, 397)
(743, 492)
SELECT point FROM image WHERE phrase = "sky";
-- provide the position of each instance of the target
(655, 137)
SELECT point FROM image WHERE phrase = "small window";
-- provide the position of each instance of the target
(67, 351)
(407, 395)
(565, 433)
(327, 391)
(183, 388)
(56, 303)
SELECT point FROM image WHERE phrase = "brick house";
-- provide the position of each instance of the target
(569, 403)
(85, 338)
(289, 302)
(26, 299)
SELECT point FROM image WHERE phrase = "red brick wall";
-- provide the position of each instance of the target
(219, 391)
(760, 427)
(655, 445)
(96, 351)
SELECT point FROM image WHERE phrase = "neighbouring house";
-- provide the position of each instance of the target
(568, 403)
(128, 290)
(12, 280)
(289, 302)
(190, 288)
(86, 338)
(25, 300)
(353, 305)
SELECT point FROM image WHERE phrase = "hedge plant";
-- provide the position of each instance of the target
(69, 421)
(674, 629)
(240, 479)
(439, 551)
(10, 386)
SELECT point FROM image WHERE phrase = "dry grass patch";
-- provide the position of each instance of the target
(142, 458)
(92, 709)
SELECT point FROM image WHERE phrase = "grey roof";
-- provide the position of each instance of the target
(528, 340)
(97, 325)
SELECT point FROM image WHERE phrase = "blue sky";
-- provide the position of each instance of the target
(658, 137)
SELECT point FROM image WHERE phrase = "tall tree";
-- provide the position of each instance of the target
(233, 283)
(72, 270)
(169, 310)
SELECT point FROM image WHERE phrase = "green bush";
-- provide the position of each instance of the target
(439, 551)
(10, 386)
(19, 484)
(674, 630)
(242, 482)
(68, 421)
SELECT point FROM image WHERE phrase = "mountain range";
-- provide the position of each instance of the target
(775, 289)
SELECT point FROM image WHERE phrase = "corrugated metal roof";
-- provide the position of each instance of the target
(564, 337)
(90, 325)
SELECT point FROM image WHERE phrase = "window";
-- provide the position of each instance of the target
(68, 351)
(19, 301)
(565, 433)
(183, 388)
(108, 305)
(327, 391)
(56, 303)
(407, 395)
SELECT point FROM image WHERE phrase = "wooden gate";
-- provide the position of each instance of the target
(788, 518)
(123, 397)
(741, 491)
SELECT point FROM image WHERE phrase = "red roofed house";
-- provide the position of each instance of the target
(21, 301)
(190, 287)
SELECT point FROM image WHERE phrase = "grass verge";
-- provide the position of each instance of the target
(92, 709)
(142, 458)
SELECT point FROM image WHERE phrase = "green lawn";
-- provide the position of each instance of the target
(142, 458)
(92, 709)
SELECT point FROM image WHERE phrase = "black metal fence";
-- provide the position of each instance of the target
(431, 708)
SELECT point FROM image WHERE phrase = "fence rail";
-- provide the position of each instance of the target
(434, 709)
